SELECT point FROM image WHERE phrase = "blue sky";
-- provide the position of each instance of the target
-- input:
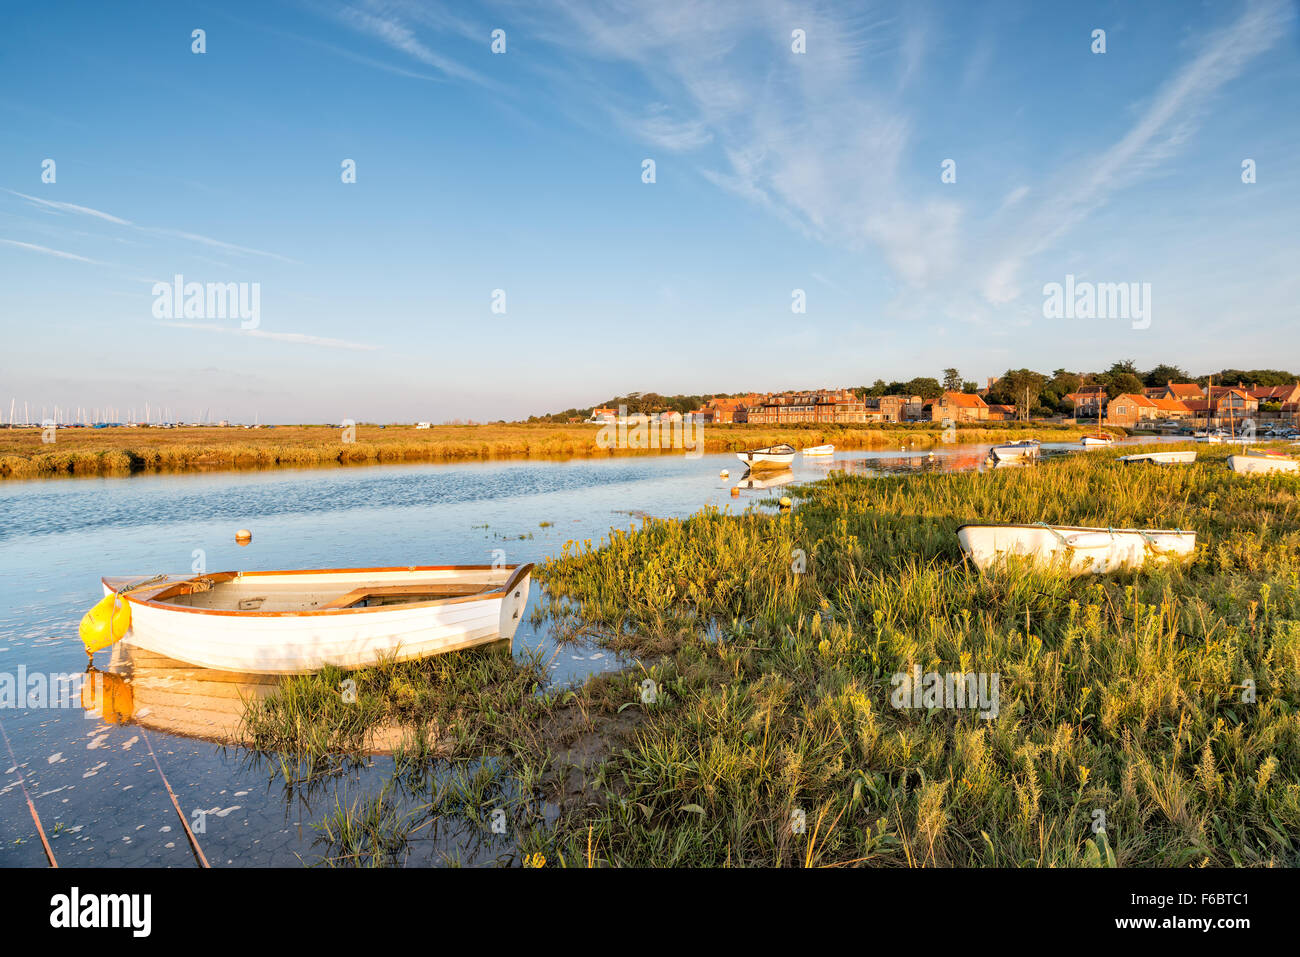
(522, 171)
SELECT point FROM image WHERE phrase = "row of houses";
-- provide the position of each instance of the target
(1186, 403)
(843, 407)
(1177, 403)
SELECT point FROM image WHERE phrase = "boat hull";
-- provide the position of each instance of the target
(772, 457)
(1078, 549)
(1015, 452)
(1163, 458)
(1262, 464)
(304, 641)
(1092, 442)
(820, 450)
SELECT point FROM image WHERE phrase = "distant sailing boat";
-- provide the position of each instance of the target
(1098, 439)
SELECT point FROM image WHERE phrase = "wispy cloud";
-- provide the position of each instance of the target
(71, 208)
(1159, 131)
(75, 209)
(46, 250)
(297, 338)
(825, 140)
(384, 22)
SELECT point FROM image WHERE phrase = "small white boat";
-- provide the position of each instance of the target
(1097, 440)
(1213, 438)
(296, 622)
(1079, 549)
(820, 450)
(1262, 463)
(1163, 458)
(1023, 449)
(774, 456)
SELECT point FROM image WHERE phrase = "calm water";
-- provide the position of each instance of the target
(95, 786)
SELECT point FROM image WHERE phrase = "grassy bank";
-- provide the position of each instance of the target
(123, 451)
(1146, 719)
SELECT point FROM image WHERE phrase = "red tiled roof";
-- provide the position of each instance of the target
(1137, 399)
(964, 400)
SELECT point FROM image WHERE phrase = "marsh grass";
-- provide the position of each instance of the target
(124, 451)
(1146, 719)
(1121, 698)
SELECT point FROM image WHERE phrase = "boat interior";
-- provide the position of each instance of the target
(230, 591)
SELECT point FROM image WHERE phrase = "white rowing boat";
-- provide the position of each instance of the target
(1097, 440)
(1180, 457)
(773, 456)
(1012, 451)
(1077, 548)
(820, 450)
(296, 622)
(1262, 463)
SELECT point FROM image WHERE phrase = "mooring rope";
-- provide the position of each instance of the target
(194, 844)
(49, 853)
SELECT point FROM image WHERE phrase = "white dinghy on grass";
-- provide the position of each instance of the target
(1080, 549)
(1179, 457)
(1263, 463)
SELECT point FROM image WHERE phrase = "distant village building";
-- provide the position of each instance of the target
(725, 411)
(1089, 401)
(1183, 391)
(958, 407)
(894, 408)
(1001, 413)
(603, 415)
(824, 406)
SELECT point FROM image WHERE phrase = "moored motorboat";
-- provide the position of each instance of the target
(296, 622)
(773, 456)
(820, 450)
(1011, 451)
(1078, 549)
(1261, 462)
(1178, 457)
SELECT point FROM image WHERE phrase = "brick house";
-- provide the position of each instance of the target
(894, 408)
(1129, 409)
(1183, 391)
(959, 407)
(1089, 401)
(825, 406)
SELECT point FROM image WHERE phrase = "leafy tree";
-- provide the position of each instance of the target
(1163, 374)
(951, 380)
(1021, 388)
(926, 388)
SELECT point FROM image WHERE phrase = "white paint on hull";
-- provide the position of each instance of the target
(1262, 464)
(1079, 549)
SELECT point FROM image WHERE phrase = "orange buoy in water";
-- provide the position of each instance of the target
(735, 491)
(243, 537)
(105, 623)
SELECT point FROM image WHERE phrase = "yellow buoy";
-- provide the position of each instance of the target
(724, 473)
(243, 536)
(785, 501)
(104, 623)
